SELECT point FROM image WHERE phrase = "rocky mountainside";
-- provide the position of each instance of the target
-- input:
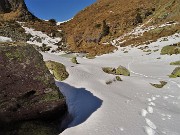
(107, 20)
(15, 10)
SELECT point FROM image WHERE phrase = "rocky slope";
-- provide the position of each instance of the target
(27, 92)
(15, 10)
(107, 20)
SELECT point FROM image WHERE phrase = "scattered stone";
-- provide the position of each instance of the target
(109, 82)
(118, 78)
(122, 71)
(175, 73)
(74, 60)
(58, 70)
(171, 49)
(175, 63)
(162, 84)
(119, 71)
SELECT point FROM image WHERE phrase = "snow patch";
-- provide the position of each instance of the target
(5, 39)
(144, 113)
(150, 109)
(149, 131)
(150, 123)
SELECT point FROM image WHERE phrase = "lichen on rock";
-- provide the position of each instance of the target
(117, 71)
(27, 89)
(175, 73)
(58, 70)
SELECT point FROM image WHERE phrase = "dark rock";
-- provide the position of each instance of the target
(27, 89)
(8, 6)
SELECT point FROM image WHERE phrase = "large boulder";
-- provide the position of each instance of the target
(27, 89)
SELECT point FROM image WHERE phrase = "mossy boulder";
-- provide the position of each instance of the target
(118, 78)
(161, 85)
(122, 71)
(74, 60)
(119, 71)
(109, 70)
(175, 73)
(175, 63)
(171, 49)
(27, 88)
(58, 70)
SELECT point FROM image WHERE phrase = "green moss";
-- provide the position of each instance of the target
(51, 96)
(38, 128)
(74, 60)
(109, 70)
(118, 78)
(171, 49)
(162, 84)
(119, 71)
(15, 55)
(58, 69)
(175, 73)
(175, 63)
(122, 71)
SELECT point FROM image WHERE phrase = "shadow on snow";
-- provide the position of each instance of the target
(81, 103)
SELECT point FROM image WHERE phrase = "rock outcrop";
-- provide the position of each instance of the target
(27, 89)
(15, 10)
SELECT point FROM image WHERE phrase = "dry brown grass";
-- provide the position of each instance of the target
(121, 17)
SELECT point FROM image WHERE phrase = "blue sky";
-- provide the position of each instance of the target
(60, 10)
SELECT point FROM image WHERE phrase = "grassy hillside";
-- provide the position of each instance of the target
(85, 32)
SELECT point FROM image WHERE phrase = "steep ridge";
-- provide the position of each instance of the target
(15, 10)
(106, 20)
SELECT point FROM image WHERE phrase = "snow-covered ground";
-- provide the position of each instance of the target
(130, 107)
(39, 38)
(5, 39)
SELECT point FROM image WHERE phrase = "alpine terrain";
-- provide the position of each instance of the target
(113, 69)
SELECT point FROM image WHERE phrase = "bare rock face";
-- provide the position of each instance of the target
(15, 10)
(27, 89)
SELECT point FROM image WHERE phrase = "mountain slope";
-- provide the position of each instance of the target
(86, 30)
(15, 10)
